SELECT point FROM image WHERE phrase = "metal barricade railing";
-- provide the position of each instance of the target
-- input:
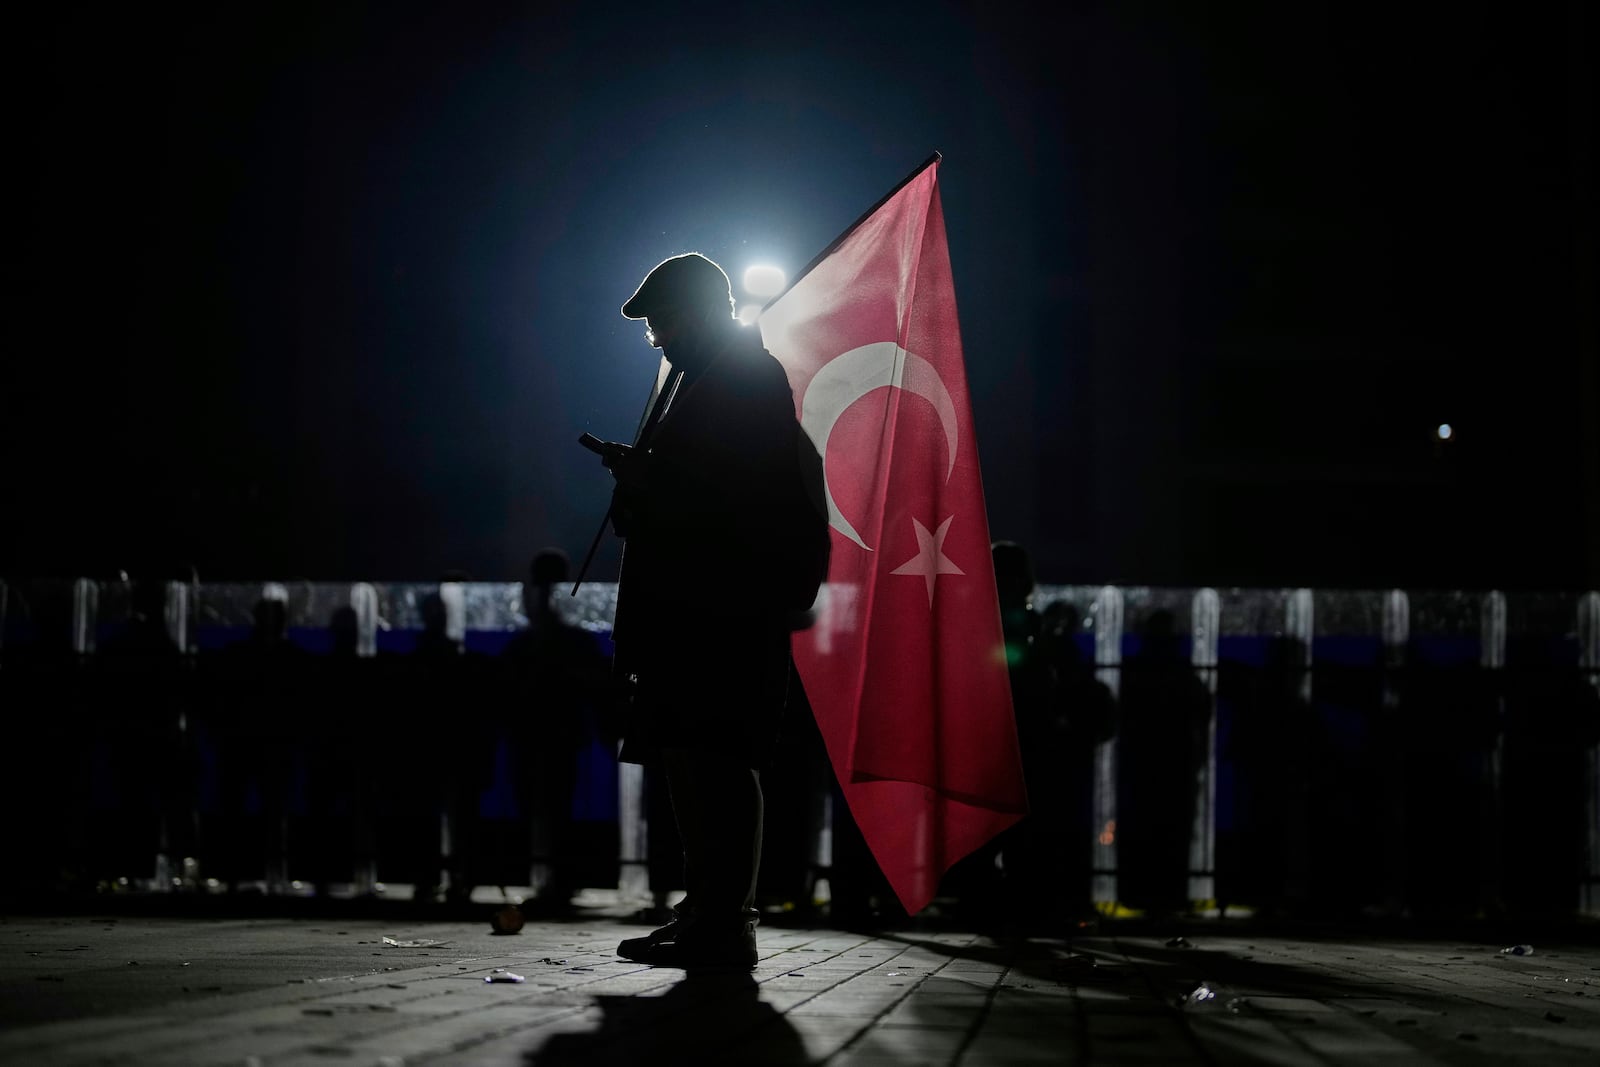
(1358, 666)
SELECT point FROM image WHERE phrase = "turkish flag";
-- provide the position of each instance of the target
(905, 667)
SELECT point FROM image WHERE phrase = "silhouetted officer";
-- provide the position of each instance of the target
(558, 679)
(1022, 849)
(442, 671)
(138, 730)
(258, 723)
(1063, 805)
(1164, 711)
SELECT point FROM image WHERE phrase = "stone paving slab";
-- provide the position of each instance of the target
(80, 991)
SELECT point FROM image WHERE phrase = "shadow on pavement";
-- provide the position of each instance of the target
(1221, 1006)
(688, 1023)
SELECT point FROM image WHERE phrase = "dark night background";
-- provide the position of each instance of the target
(329, 291)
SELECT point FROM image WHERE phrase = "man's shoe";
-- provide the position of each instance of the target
(638, 948)
(693, 947)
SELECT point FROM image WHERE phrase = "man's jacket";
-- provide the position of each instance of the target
(725, 523)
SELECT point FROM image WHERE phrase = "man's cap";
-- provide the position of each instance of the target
(687, 281)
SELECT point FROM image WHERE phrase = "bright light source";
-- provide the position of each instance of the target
(748, 313)
(1444, 431)
(764, 282)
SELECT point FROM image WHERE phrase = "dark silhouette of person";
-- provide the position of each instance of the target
(143, 638)
(144, 822)
(334, 831)
(49, 694)
(1262, 861)
(1061, 792)
(1164, 712)
(795, 786)
(1353, 864)
(1449, 723)
(985, 894)
(443, 809)
(1552, 724)
(663, 846)
(344, 632)
(435, 643)
(716, 493)
(860, 896)
(258, 716)
(558, 679)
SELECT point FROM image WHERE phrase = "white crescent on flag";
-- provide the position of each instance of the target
(847, 378)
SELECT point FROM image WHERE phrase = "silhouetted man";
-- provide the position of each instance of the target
(726, 543)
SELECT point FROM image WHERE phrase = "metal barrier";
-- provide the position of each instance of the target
(1419, 733)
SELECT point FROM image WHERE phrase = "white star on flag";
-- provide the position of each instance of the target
(930, 560)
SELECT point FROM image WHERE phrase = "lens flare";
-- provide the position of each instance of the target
(764, 282)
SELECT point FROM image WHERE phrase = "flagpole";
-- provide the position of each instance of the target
(848, 230)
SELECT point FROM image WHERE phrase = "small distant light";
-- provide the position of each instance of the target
(1445, 432)
(764, 282)
(748, 313)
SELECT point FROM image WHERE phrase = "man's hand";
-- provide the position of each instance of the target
(627, 466)
(606, 450)
(616, 457)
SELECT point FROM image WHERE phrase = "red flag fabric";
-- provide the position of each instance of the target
(905, 667)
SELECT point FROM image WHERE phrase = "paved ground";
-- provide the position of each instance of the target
(153, 990)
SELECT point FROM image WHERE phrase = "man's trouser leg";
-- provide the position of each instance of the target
(718, 805)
